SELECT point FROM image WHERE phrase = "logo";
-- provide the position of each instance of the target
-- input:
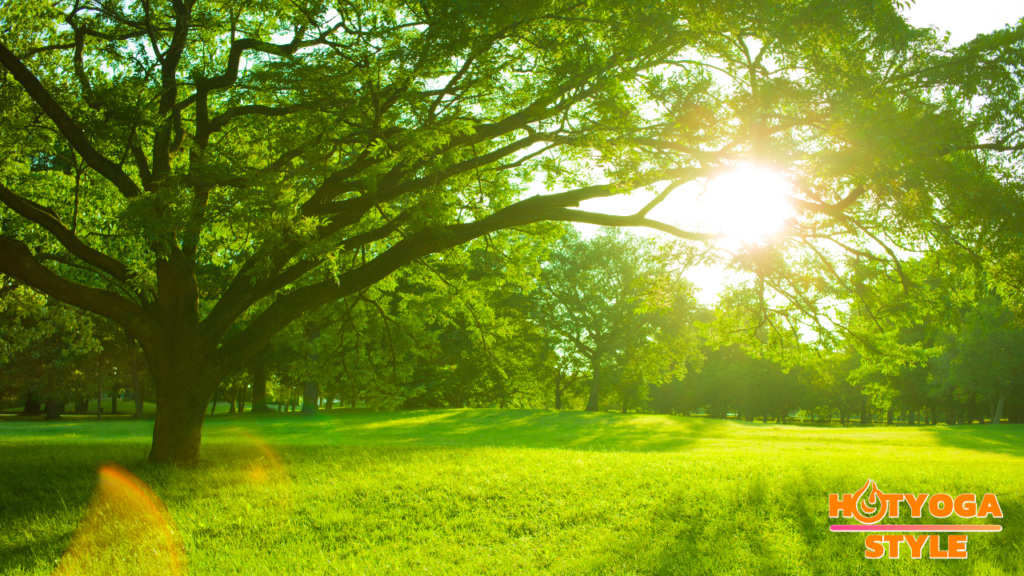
(869, 506)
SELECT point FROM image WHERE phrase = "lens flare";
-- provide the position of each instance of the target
(126, 530)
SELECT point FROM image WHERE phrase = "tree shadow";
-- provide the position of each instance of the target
(1007, 439)
(487, 428)
(768, 527)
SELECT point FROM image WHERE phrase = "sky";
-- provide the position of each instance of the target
(962, 19)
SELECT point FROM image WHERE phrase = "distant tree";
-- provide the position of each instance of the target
(619, 303)
(990, 359)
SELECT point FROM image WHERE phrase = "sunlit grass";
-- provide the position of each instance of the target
(509, 492)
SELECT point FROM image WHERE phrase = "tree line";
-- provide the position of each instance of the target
(610, 322)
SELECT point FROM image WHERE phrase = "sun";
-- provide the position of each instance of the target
(748, 204)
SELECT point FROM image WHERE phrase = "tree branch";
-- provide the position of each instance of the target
(68, 128)
(49, 221)
(16, 260)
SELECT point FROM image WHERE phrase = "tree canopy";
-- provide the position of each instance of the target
(207, 173)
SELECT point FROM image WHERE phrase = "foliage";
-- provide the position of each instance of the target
(619, 304)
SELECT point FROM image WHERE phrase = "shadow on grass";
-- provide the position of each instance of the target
(1005, 439)
(479, 428)
(770, 527)
(729, 517)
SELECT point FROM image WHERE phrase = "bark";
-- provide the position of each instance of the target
(259, 387)
(32, 405)
(54, 408)
(133, 367)
(243, 390)
(997, 412)
(558, 392)
(888, 417)
(213, 405)
(177, 431)
(113, 402)
(82, 406)
(310, 393)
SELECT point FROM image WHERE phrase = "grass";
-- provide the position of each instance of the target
(502, 492)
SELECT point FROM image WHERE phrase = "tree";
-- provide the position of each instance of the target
(204, 205)
(620, 305)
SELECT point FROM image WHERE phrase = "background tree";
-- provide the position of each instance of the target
(619, 303)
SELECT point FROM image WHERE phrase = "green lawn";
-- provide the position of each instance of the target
(508, 492)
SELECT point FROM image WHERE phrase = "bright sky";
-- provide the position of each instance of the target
(963, 19)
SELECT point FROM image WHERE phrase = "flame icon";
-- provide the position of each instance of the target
(869, 506)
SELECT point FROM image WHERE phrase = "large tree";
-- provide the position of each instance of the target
(204, 173)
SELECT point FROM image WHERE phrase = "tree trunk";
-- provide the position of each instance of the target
(179, 422)
(558, 392)
(595, 384)
(310, 393)
(241, 398)
(82, 406)
(888, 417)
(32, 405)
(54, 408)
(259, 387)
(997, 413)
(133, 366)
(113, 402)
(216, 396)
(311, 390)
(329, 402)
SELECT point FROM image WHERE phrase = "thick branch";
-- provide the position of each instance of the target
(68, 128)
(16, 260)
(48, 219)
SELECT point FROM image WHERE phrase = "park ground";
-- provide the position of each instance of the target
(499, 492)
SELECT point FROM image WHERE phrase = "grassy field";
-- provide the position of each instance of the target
(506, 492)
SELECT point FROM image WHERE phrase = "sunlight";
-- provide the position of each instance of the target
(748, 204)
